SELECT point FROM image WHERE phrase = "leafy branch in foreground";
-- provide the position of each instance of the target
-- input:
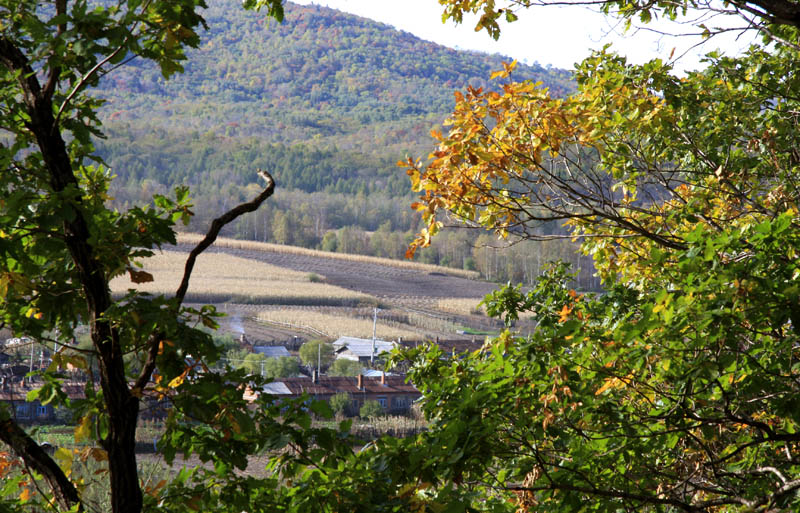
(60, 245)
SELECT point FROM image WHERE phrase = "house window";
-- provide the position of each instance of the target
(399, 402)
(41, 411)
(22, 410)
(382, 401)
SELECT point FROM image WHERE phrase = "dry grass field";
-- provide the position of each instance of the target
(192, 238)
(462, 306)
(330, 325)
(219, 277)
(276, 293)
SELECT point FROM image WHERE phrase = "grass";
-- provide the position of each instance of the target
(219, 278)
(461, 306)
(333, 326)
(193, 238)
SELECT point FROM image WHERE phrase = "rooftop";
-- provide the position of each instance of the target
(272, 351)
(362, 347)
(330, 385)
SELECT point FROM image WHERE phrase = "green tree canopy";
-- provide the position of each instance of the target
(316, 352)
(370, 409)
(676, 389)
(60, 246)
(339, 402)
(282, 367)
(344, 367)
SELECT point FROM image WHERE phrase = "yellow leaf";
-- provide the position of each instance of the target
(178, 380)
(609, 383)
(564, 314)
(64, 458)
(83, 429)
(25, 495)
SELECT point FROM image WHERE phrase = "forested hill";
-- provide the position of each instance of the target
(355, 95)
(326, 101)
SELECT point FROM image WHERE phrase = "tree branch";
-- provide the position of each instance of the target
(37, 459)
(217, 225)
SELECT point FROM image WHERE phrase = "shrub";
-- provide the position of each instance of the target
(345, 367)
(370, 409)
(340, 402)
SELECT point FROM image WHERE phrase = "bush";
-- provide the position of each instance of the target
(344, 367)
(339, 403)
(370, 409)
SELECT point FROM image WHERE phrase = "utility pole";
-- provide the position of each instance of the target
(374, 326)
(319, 358)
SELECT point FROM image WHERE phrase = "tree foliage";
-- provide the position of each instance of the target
(316, 352)
(675, 389)
(60, 246)
(340, 402)
(345, 367)
(370, 409)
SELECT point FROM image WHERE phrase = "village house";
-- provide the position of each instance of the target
(272, 351)
(391, 392)
(15, 393)
(361, 349)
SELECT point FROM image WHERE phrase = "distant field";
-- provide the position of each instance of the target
(192, 238)
(331, 325)
(219, 277)
(462, 306)
(282, 289)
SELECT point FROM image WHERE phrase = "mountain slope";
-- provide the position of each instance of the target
(327, 100)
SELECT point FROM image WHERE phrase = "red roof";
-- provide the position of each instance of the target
(17, 392)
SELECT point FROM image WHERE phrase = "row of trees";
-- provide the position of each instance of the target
(675, 390)
(367, 224)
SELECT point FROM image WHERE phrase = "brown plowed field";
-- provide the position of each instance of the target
(383, 281)
(399, 289)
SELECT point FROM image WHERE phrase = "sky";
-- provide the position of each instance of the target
(556, 36)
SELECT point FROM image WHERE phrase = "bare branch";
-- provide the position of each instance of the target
(217, 225)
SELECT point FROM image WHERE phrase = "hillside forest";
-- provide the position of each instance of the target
(328, 103)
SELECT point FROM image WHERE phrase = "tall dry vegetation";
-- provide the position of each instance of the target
(219, 277)
(192, 238)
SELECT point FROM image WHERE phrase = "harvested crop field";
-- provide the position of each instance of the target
(381, 278)
(285, 295)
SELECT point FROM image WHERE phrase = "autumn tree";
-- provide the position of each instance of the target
(676, 389)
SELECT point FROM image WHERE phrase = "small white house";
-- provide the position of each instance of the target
(361, 349)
